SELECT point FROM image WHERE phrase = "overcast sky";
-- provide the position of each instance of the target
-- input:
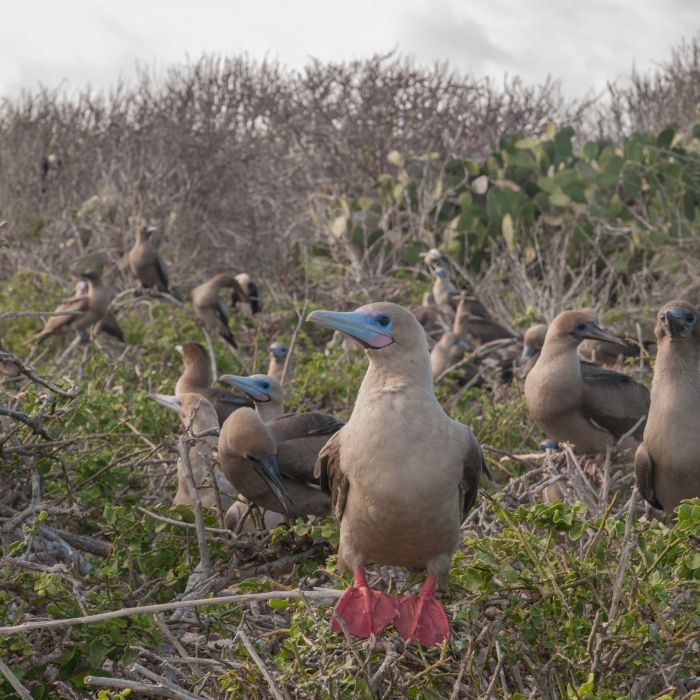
(582, 42)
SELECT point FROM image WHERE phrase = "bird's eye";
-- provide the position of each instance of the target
(690, 318)
(266, 385)
(580, 326)
(383, 320)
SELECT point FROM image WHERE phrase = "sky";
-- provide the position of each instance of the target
(584, 43)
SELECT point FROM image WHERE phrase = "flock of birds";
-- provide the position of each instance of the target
(400, 475)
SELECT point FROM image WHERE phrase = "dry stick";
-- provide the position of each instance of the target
(605, 488)
(260, 664)
(179, 523)
(14, 681)
(29, 372)
(295, 593)
(161, 680)
(293, 341)
(174, 641)
(37, 314)
(628, 544)
(183, 448)
(27, 420)
(158, 691)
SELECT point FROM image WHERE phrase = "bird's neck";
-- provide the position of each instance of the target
(411, 374)
(269, 410)
(224, 279)
(196, 375)
(560, 350)
(676, 361)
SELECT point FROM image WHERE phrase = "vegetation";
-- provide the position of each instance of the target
(585, 597)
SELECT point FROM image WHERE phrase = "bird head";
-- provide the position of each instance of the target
(533, 340)
(578, 326)
(259, 387)
(91, 275)
(375, 326)
(676, 320)
(441, 273)
(279, 350)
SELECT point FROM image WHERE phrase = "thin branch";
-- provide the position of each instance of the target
(27, 420)
(14, 681)
(295, 593)
(29, 372)
(260, 664)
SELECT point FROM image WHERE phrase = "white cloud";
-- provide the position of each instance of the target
(584, 44)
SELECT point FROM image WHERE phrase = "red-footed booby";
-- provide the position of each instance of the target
(145, 263)
(533, 340)
(209, 308)
(196, 378)
(401, 475)
(593, 407)
(265, 392)
(278, 356)
(198, 414)
(246, 297)
(668, 460)
(92, 305)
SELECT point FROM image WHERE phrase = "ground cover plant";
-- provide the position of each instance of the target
(589, 596)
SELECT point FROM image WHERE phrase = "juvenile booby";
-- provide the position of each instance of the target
(401, 475)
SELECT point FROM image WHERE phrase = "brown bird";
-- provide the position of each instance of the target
(266, 393)
(272, 464)
(429, 316)
(109, 324)
(473, 321)
(592, 408)
(246, 296)
(533, 340)
(92, 307)
(145, 263)
(199, 415)
(445, 293)
(448, 351)
(668, 460)
(609, 354)
(196, 379)
(401, 475)
(278, 356)
(210, 309)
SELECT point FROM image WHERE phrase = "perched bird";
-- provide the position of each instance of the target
(433, 258)
(210, 309)
(196, 379)
(109, 324)
(474, 322)
(92, 305)
(263, 390)
(272, 464)
(609, 354)
(199, 415)
(246, 296)
(445, 293)
(401, 475)
(278, 356)
(429, 316)
(589, 406)
(145, 263)
(533, 340)
(448, 351)
(668, 460)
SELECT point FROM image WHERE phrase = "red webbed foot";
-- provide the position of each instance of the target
(422, 618)
(362, 610)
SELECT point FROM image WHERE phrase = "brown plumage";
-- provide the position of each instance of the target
(246, 297)
(533, 340)
(199, 415)
(429, 316)
(92, 306)
(196, 379)
(272, 464)
(592, 407)
(145, 263)
(109, 324)
(210, 309)
(609, 354)
(448, 351)
(668, 460)
(401, 474)
(473, 321)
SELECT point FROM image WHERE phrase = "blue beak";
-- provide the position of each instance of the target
(249, 385)
(360, 325)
